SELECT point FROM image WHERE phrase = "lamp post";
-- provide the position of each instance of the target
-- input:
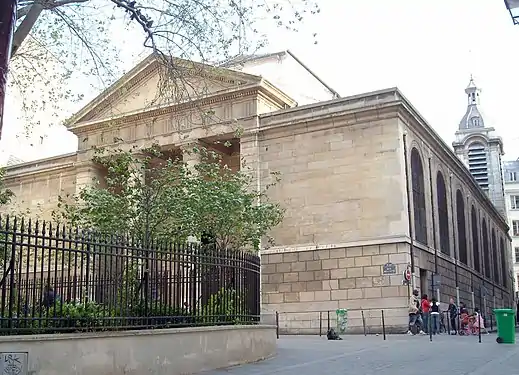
(513, 8)
(7, 23)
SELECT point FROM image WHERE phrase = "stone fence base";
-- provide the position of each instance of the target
(159, 352)
(358, 322)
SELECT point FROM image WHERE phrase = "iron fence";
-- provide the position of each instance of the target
(55, 279)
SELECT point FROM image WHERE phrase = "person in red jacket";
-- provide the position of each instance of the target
(425, 305)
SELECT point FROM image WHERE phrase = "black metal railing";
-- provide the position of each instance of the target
(54, 279)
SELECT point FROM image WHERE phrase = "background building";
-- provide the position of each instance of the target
(513, 8)
(511, 170)
(480, 149)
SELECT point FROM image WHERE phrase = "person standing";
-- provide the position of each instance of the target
(453, 313)
(426, 306)
(415, 319)
(435, 316)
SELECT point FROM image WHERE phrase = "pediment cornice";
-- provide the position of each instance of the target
(158, 111)
(144, 71)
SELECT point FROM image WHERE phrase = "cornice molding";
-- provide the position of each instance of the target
(133, 118)
(274, 94)
(329, 120)
(129, 82)
(9, 177)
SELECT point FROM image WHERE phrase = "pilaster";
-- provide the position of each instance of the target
(87, 174)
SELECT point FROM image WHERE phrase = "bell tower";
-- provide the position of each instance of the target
(480, 149)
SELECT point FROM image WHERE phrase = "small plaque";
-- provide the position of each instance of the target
(389, 269)
(15, 363)
(437, 280)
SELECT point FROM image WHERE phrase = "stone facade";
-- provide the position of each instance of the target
(511, 172)
(344, 186)
(485, 163)
(304, 283)
(351, 170)
(37, 185)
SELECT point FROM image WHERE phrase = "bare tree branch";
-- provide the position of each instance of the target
(60, 42)
(47, 5)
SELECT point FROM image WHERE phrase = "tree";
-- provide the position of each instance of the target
(5, 194)
(57, 42)
(172, 201)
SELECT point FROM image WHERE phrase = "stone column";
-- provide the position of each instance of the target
(87, 174)
(137, 173)
(250, 158)
(251, 164)
(190, 157)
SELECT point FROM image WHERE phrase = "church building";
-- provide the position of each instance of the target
(370, 190)
(478, 146)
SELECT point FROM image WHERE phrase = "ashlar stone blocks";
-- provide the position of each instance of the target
(304, 285)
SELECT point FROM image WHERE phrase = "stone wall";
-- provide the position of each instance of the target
(302, 284)
(435, 158)
(163, 351)
(335, 178)
(38, 184)
(469, 282)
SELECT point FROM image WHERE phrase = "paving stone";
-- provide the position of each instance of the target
(398, 355)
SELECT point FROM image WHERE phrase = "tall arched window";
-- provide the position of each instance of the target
(475, 240)
(420, 217)
(494, 257)
(486, 250)
(443, 214)
(462, 233)
(504, 268)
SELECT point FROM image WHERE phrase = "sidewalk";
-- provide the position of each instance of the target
(398, 355)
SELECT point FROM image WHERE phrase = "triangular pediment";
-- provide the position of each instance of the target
(152, 84)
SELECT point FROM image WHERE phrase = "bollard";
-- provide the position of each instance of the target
(320, 323)
(328, 321)
(363, 322)
(448, 322)
(383, 326)
(491, 323)
(277, 324)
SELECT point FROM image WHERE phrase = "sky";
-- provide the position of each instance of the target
(427, 49)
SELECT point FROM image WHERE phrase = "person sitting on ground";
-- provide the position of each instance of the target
(415, 320)
(463, 308)
(479, 322)
(332, 335)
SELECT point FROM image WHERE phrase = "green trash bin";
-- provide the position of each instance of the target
(342, 320)
(505, 319)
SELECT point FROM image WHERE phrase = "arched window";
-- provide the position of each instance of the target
(475, 240)
(504, 268)
(443, 214)
(494, 257)
(462, 233)
(420, 217)
(486, 250)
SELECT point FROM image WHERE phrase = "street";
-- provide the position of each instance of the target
(398, 355)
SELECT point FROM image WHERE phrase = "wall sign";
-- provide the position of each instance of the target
(389, 269)
(15, 363)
